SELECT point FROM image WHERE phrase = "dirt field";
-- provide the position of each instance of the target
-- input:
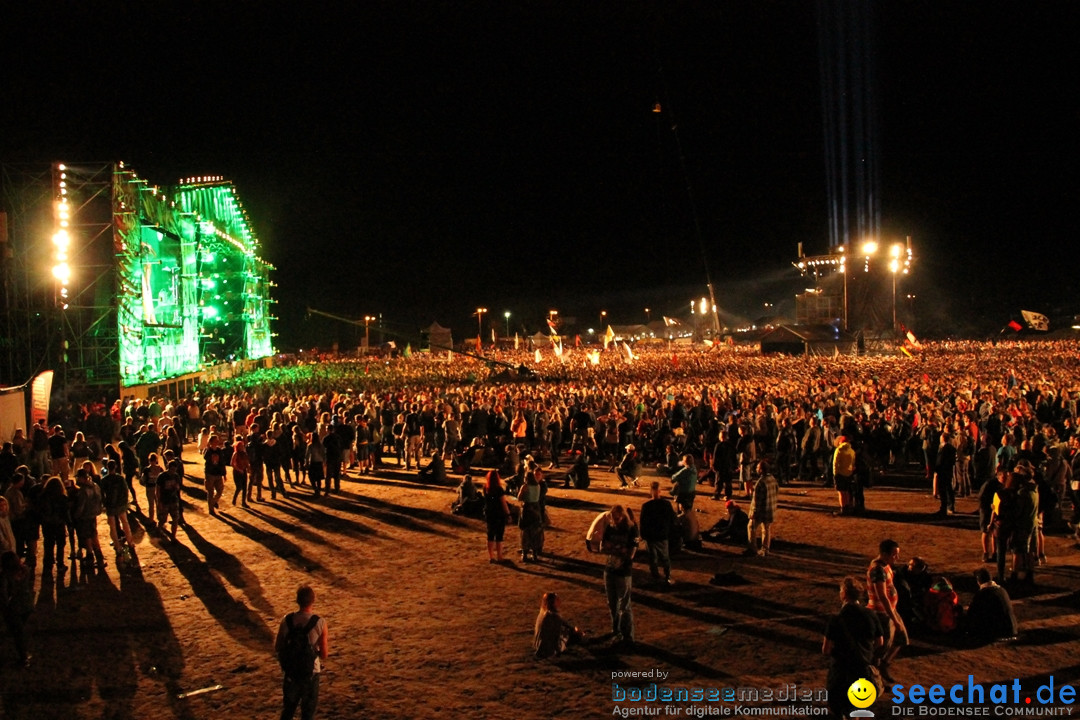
(422, 626)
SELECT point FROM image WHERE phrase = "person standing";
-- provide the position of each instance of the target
(88, 505)
(843, 462)
(214, 473)
(657, 524)
(883, 600)
(301, 684)
(114, 496)
(168, 499)
(945, 466)
(619, 544)
(724, 463)
(496, 515)
(240, 463)
(684, 483)
(851, 638)
(16, 601)
(763, 510)
(746, 452)
(59, 454)
(531, 522)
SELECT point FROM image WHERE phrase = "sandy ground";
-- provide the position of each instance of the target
(421, 626)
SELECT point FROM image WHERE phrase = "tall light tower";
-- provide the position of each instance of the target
(368, 319)
(480, 324)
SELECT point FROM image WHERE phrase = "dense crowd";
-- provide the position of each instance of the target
(993, 419)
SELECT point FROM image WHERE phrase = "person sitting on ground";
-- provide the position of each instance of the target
(913, 582)
(670, 466)
(435, 471)
(942, 607)
(579, 472)
(732, 529)
(627, 471)
(552, 633)
(990, 616)
(463, 461)
(470, 502)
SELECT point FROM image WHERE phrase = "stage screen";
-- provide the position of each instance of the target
(161, 261)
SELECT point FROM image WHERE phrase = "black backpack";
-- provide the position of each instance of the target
(297, 657)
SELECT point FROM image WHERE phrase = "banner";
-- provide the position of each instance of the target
(1036, 321)
(608, 337)
(12, 412)
(40, 392)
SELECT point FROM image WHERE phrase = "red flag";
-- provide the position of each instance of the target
(925, 378)
(577, 341)
(674, 359)
(1015, 326)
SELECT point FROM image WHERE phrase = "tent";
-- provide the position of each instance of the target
(438, 337)
(808, 340)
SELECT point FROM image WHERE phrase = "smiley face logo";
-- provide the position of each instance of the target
(862, 693)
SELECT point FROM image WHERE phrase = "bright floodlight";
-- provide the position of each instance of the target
(869, 248)
(895, 250)
(704, 306)
(894, 265)
(61, 239)
(62, 272)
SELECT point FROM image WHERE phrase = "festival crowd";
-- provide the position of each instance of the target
(993, 420)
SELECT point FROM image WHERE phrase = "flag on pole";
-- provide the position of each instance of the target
(558, 349)
(1015, 326)
(609, 336)
(906, 351)
(670, 322)
(551, 326)
(493, 336)
(479, 346)
(911, 341)
(516, 340)
(577, 341)
(537, 355)
(408, 350)
(629, 352)
(1036, 321)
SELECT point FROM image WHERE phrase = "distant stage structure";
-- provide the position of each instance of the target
(113, 282)
(855, 288)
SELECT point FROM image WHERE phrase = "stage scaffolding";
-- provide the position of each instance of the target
(157, 282)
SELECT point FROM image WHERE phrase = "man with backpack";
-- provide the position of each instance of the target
(301, 645)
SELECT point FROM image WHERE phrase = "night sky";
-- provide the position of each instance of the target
(421, 159)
